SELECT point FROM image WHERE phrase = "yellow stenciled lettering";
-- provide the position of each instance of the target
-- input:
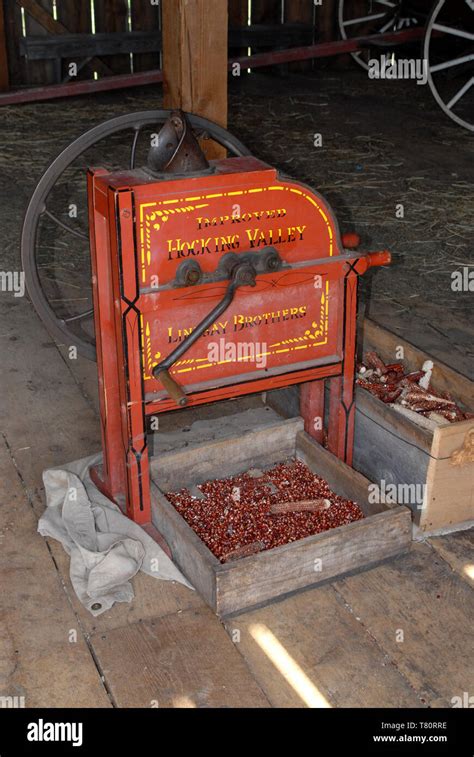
(300, 230)
(252, 237)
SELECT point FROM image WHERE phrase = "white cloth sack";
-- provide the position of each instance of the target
(106, 548)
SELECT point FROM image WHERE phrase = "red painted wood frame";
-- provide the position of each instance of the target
(135, 221)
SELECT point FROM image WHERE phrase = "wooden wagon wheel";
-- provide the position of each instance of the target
(450, 59)
(70, 323)
(357, 18)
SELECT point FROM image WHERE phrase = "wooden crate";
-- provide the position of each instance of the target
(250, 581)
(392, 448)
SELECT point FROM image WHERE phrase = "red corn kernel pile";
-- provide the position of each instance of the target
(235, 512)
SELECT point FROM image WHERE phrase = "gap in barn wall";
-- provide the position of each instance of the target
(129, 28)
(23, 22)
(249, 22)
(96, 75)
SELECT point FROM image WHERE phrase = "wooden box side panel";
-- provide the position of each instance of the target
(257, 579)
(342, 479)
(450, 483)
(190, 554)
(383, 454)
(229, 457)
(451, 439)
(449, 495)
(395, 423)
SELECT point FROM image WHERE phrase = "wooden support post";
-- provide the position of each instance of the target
(4, 78)
(195, 60)
(341, 389)
(312, 408)
(113, 478)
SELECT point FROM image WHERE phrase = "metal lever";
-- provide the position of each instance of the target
(243, 275)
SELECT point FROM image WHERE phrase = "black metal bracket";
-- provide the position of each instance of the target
(189, 272)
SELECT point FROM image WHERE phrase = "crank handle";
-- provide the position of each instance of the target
(243, 275)
(172, 387)
(384, 257)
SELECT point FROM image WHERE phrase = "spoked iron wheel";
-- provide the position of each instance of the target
(55, 240)
(449, 52)
(360, 18)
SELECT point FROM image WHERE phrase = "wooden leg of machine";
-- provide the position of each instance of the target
(312, 408)
(138, 471)
(110, 478)
(134, 431)
(341, 389)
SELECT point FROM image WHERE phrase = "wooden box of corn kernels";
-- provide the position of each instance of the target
(425, 462)
(261, 510)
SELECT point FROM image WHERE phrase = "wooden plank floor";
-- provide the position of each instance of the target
(332, 646)
(421, 613)
(396, 635)
(180, 660)
(309, 650)
(44, 657)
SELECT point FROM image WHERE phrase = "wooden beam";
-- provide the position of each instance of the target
(45, 20)
(4, 77)
(143, 43)
(195, 60)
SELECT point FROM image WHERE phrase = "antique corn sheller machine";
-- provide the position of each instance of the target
(213, 280)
